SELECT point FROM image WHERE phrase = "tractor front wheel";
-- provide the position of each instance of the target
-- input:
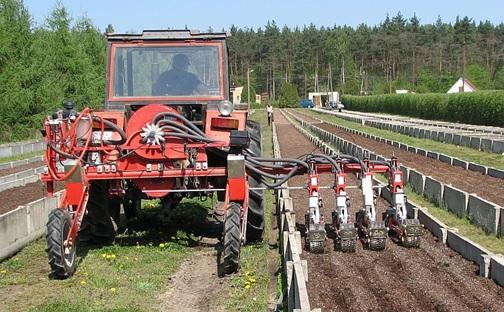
(232, 240)
(62, 259)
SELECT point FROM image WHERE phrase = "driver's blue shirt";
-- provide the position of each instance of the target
(176, 82)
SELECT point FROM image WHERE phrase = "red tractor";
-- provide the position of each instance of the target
(167, 131)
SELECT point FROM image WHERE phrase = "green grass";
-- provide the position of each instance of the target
(464, 225)
(126, 276)
(20, 156)
(251, 287)
(465, 153)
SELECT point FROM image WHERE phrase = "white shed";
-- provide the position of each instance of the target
(462, 85)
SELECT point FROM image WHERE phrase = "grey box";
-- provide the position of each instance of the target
(498, 147)
(465, 140)
(433, 190)
(486, 144)
(421, 152)
(416, 181)
(455, 200)
(434, 135)
(432, 155)
(484, 213)
(445, 158)
(456, 139)
(436, 227)
(475, 142)
(497, 269)
(496, 173)
(468, 249)
(448, 138)
(405, 171)
(478, 168)
(459, 163)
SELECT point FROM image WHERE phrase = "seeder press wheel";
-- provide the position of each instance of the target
(377, 236)
(412, 233)
(347, 238)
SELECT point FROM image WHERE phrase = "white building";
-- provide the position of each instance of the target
(237, 92)
(319, 98)
(462, 85)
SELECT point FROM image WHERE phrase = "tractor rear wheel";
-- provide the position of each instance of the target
(232, 240)
(255, 214)
(62, 259)
(102, 214)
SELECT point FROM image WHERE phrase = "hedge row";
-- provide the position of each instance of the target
(480, 108)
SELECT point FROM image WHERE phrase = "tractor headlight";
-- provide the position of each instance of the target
(225, 108)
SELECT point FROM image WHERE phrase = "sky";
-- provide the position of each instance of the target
(136, 15)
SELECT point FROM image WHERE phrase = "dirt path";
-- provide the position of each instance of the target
(196, 285)
(431, 278)
(470, 181)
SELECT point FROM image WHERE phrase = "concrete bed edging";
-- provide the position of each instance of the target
(489, 265)
(12, 149)
(17, 163)
(295, 269)
(20, 178)
(467, 165)
(24, 224)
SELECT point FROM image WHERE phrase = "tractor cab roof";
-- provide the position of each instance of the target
(176, 35)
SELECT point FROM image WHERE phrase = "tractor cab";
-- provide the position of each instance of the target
(170, 67)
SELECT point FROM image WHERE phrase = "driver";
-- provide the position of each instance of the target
(178, 81)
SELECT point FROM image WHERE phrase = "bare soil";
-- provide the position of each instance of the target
(470, 181)
(22, 195)
(7, 171)
(430, 278)
(196, 285)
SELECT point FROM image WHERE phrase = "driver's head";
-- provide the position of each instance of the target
(180, 61)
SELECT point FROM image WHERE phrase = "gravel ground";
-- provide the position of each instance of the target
(470, 181)
(430, 278)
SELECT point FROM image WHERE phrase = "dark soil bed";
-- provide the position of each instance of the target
(22, 195)
(4, 172)
(430, 278)
(484, 186)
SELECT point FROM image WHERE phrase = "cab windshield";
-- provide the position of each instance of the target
(166, 71)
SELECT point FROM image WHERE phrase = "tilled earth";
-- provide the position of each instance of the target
(7, 171)
(470, 181)
(23, 195)
(430, 278)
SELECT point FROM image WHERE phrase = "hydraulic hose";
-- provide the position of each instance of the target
(182, 118)
(112, 125)
(179, 126)
(281, 160)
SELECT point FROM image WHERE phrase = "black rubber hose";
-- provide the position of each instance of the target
(112, 125)
(281, 160)
(180, 126)
(283, 178)
(182, 118)
(191, 137)
(57, 150)
(173, 129)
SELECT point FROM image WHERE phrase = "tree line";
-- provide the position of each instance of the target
(64, 59)
(399, 53)
(40, 67)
